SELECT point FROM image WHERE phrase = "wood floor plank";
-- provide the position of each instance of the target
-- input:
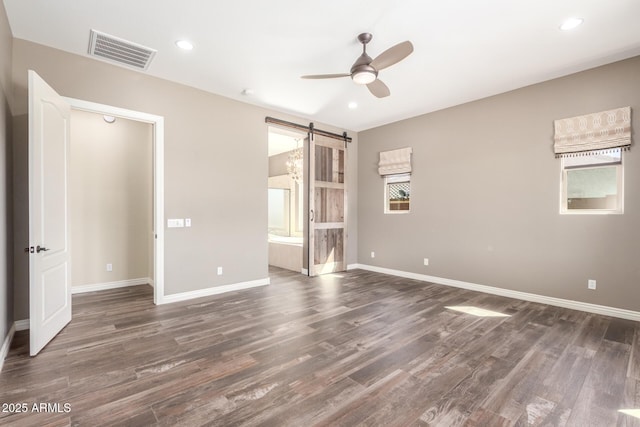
(634, 360)
(360, 406)
(345, 349)
(603, 392)
(315, 407)
(453, 407)
(631, 400)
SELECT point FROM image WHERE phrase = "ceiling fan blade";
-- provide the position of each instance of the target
(325, 76)
(392, 55)
(378, 89)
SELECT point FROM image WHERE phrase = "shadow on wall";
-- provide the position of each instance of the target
(7, 292)
(20, 216)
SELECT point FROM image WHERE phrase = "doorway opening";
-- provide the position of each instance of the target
(287, 199)
(110, 202)
(120, 194)
(308, 194)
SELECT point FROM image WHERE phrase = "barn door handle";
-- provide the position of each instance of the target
(41, 249)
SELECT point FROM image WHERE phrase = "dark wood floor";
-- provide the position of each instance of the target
(346, 349)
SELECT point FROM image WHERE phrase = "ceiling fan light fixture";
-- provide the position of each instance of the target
(364, 77)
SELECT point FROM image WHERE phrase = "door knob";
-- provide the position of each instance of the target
(41, 249)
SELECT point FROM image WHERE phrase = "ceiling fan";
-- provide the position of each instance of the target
(365, 70)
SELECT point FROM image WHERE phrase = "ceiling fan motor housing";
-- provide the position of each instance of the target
(361, 70)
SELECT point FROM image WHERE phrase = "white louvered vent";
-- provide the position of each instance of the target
(119, 50)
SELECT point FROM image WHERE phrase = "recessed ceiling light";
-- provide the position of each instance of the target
(184, 44)
(353, 105)
(571, 23)
(109, 119)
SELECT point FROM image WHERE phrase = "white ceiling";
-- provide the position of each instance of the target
(464, 49)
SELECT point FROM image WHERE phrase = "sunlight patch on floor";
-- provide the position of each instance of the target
(477, 311)
(632, 412)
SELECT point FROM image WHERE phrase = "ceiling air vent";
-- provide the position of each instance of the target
(119, 50)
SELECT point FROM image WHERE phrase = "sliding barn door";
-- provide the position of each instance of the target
(327, 205)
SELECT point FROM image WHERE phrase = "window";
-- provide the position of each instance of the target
(591, 148)
(592, 183)
(397, 189)
(279, 223)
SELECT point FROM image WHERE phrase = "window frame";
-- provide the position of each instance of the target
(619, 167)
(394, 179)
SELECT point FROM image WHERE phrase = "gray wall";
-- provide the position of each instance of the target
(216, 166)
(6, 225)
(485, 195)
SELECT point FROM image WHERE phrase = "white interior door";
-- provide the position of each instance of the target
(327, 205)
(49, 263)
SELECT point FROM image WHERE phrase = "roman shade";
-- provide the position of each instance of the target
(582, 135)
(395, 161)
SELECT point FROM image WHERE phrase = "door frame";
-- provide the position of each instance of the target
(158, 179)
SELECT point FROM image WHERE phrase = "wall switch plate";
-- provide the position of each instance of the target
(373, 254)
(219, 271)
(175, 223)
(187, 222)
(109, 267)
(591, 284)
(426, 261)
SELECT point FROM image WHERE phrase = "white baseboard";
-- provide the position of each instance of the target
(304, 271)
(558, 302)
(22, 325)
(6, 344)
(110, 285)
(183, 296)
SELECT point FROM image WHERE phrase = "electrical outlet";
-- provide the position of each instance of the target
(373, 254)
(187, 222)
(219, 271)
(109, 267)
(426, 261)
(591, 284)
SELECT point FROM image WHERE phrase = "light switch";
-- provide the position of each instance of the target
(175, 223)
